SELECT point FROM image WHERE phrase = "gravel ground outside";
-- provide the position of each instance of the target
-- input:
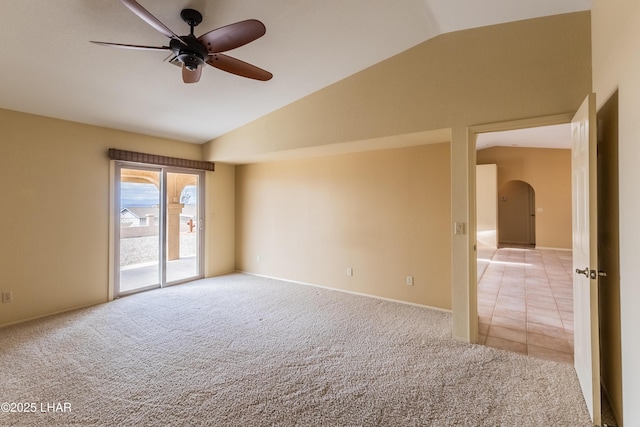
(141, 250)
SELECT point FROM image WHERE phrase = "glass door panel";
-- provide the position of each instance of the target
(159, 232)
(139, 232)
(183, 230)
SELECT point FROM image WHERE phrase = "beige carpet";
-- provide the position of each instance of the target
(240, 350)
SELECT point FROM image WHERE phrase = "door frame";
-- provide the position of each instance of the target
(119, 165)
(166, 170)
(472, 133)
(114, 220)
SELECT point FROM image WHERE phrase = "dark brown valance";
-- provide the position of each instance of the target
(152, 159)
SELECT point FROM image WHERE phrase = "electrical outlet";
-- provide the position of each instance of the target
(409, 280)
(349, 271)
(7, 297)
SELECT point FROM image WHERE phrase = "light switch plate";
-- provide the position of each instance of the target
(7, 297)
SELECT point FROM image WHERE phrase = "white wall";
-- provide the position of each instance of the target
(486, 204)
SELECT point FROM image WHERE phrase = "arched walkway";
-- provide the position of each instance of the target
(516, 214)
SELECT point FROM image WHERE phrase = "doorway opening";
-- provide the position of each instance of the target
(608, 261)
(158, 231)
(524, 282)
(517, 214)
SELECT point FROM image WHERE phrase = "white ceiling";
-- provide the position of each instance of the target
(556, 136)
(50, 68)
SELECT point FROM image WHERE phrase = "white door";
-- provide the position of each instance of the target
(585, 256)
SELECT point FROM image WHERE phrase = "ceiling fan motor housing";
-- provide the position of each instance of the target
(190, 61)
(192, 55)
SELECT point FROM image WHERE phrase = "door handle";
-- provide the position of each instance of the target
(585, 272)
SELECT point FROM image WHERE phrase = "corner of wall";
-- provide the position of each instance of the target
(220, 220)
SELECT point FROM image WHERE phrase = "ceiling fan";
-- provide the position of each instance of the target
(192, 53)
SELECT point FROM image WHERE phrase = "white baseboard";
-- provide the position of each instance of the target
(444, 310)
(554, 249)
(40, 316)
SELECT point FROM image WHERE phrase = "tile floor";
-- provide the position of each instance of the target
(525, 301)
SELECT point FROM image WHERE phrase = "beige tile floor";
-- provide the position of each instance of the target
(525, 302)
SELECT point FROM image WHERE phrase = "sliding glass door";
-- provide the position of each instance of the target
(139, 228)
(159, 227)
(183, 225)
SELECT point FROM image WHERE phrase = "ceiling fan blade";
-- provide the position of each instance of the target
(238, 67)
(189, 76)
(132, 46)
(232, 36)
(144, 14)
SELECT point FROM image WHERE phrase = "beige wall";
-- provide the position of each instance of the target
(54, 187)
(609, 255)
(378, 212)
(616, 66)
(220, 236)
(498, 73)
(548, 171)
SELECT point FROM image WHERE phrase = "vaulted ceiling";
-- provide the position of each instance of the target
(50, 68)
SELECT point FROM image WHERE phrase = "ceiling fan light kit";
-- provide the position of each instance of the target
(192, 52)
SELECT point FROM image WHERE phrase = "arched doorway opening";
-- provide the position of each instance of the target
(516, 214)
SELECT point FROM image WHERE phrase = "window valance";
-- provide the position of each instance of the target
(153, 159)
